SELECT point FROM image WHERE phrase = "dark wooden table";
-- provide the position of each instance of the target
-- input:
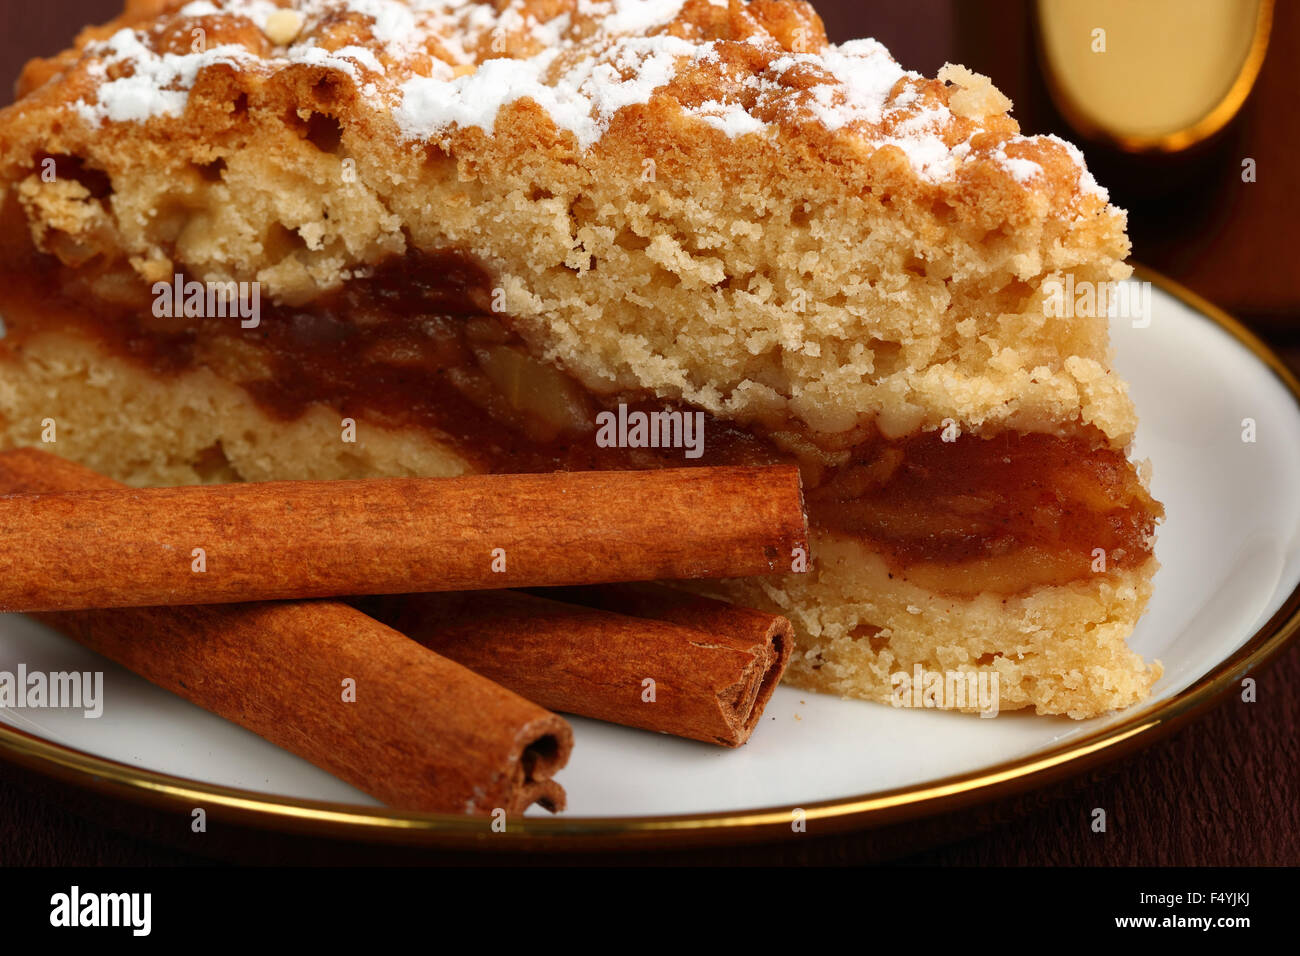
(1221, 792)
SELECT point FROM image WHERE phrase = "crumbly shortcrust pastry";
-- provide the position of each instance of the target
(700, 202)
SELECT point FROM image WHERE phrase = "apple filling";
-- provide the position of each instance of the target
(416, 344)
(993, 514)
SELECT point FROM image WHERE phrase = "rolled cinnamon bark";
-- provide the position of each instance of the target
(687, 666)
(421, 732)
(301, 539)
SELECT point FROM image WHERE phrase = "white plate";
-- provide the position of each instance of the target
(1230, 555)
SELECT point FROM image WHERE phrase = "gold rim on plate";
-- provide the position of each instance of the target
(377, 825)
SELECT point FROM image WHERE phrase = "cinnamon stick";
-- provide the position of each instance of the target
(421, 732)
(292, 540)
(686, 666)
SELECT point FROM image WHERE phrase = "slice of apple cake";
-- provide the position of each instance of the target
(246, 239)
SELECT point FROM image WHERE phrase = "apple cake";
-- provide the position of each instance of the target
(252, 240)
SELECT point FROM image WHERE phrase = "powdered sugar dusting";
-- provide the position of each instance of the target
(439, 65)
(157, 86)
(582, 101)
(433, 103)
(1087, 183)
(864, 94)
(624, 69)
(730, 118)
(256, 10)
(631, 16)
(1022, 170)
(344, 59)
(866, 74)
(920, 138)
(393, 24)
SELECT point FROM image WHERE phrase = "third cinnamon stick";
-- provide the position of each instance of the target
(683, 665)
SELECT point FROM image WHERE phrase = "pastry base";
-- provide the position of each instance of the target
(1058, 649)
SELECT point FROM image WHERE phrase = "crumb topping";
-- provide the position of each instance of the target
(437, 66)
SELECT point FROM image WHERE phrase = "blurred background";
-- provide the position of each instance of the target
(1186, 112)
